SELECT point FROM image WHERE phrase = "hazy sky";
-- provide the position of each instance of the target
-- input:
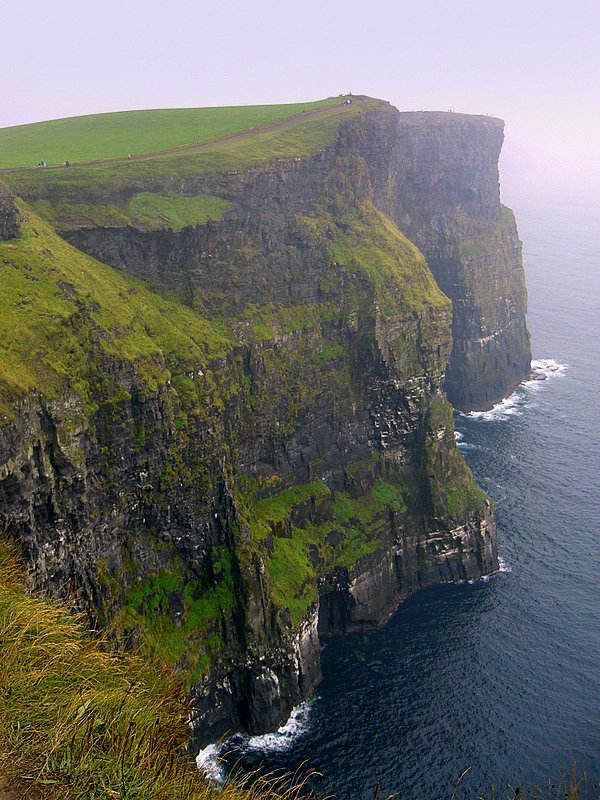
(534, 63)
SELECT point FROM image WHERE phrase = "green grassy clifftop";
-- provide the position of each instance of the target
(98, 137)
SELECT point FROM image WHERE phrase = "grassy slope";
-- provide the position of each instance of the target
(369, 242)
(79, 723)
(68, 309)
(146, 210)
(102, 136)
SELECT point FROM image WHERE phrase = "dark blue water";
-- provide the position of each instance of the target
(500, 677)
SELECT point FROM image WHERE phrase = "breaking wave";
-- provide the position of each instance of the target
(285, 736)
(544, 368)
(212, 760)
(461, 444)
(466, 446)
(503, 566)
(541, 370)
(209, 762)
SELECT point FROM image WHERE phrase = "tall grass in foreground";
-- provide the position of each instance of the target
(77, 722)
(569, 787)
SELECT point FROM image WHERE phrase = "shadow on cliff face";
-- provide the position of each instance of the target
(9, 215)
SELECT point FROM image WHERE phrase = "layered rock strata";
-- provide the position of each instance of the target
(436, 175)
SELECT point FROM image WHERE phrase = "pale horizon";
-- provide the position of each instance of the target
(534, 66)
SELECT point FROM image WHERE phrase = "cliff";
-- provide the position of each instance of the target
(224, 431)
(436, 175)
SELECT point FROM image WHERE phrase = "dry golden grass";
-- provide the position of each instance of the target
(78, 722)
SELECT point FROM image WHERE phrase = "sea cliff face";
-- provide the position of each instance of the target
(436, 175)
(258, 451)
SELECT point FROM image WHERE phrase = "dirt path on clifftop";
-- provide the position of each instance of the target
(248, 133)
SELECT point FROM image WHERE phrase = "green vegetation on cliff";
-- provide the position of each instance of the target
(175, 211)
(82, 724)
(191, 643)
(146, 210)
(305, 531)
(362, 238)
(76, 314)
(450, 484)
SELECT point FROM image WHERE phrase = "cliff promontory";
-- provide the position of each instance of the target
(436, 175)
(224, 431)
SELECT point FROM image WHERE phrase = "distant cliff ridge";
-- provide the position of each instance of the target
(225, 430)
(436, 175)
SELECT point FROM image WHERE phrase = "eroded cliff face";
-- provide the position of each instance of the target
(436, 175)
(293, 476)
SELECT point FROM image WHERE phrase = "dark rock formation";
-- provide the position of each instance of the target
(436, 175)
(9, 215)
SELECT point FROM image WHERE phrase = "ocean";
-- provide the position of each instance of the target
(497, 681)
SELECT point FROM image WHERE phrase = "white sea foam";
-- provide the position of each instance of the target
(509, 407)
(459, 437)
(283, 738)
(466, 446)
(503, 566)
(542, 369)
(209, 762)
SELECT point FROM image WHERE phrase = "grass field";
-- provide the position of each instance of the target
(101, 192)
(114, 135)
